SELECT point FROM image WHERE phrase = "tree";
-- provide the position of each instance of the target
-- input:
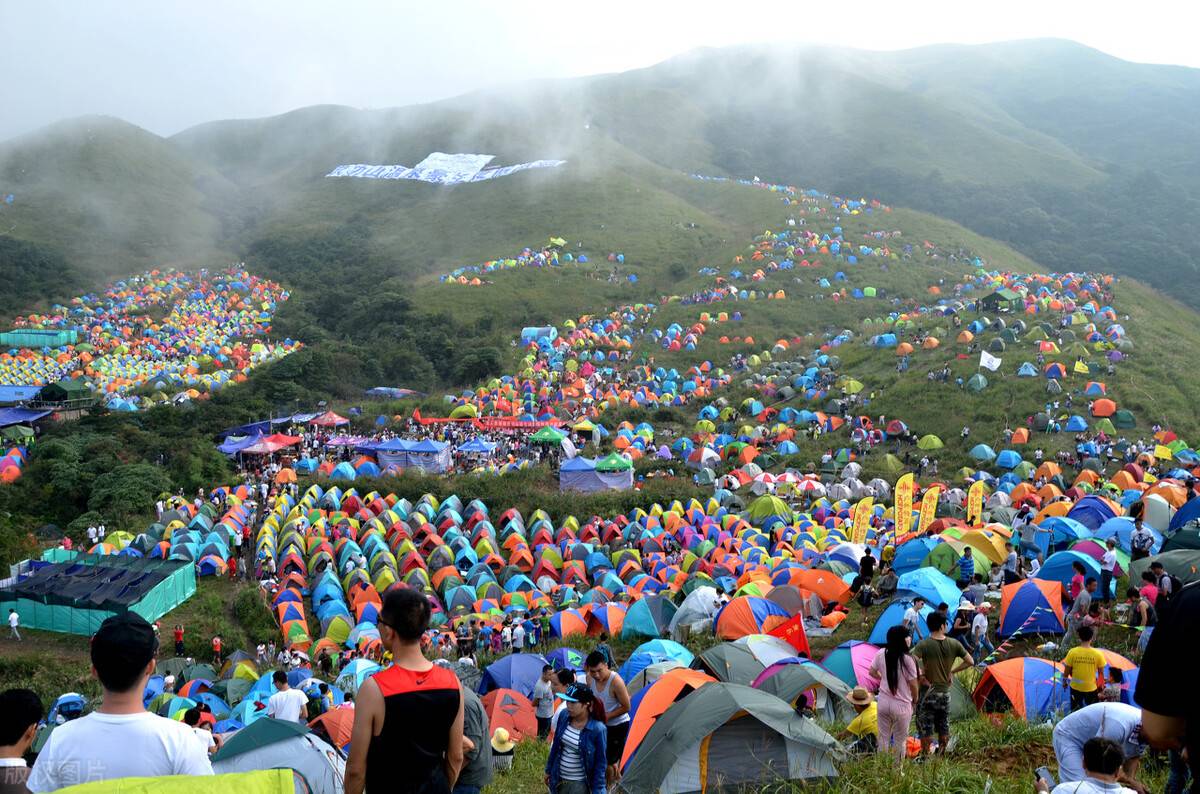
(128, 490)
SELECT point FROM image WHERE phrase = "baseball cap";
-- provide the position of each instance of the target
(121, 649)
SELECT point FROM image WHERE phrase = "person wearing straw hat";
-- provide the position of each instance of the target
(502, 750)
(864, 728)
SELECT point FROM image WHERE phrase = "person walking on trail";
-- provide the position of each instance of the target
(120, 738)
(389, 750)
(1080, 668)
(898, 677)
(610, 690)
(979, 633)
(14, 625)
(941, 657)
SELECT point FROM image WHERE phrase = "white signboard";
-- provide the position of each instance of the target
(440, 168)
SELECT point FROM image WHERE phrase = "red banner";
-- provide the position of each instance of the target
(793, 634)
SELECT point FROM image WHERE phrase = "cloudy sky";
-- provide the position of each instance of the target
(169, 65)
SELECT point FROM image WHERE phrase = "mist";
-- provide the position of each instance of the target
(167, 67)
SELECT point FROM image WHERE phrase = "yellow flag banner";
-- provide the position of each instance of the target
(928, 508)
(862, 520)
(975, 503)
(1081, 369)
(903, 505)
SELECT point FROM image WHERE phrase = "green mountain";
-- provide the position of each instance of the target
(1076, 158)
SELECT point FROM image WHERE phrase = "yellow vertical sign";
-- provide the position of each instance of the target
(928, 508)
(903, 505)
(862, 520)
(975, 503)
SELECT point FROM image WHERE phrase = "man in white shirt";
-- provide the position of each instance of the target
(191, 718)
(912, 615)
(289, 705)
(119, 739)
(1101, 763)
(14, 623)
(1117, 722)
(518, 638)
(1108, 567)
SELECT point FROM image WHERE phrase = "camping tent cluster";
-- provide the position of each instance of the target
(187, 533)
(549, 255)
(205, 340)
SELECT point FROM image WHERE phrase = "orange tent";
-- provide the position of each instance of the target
(1104, 407)
(673, 686)
(1020, 436)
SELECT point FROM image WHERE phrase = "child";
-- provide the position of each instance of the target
(1114, 686)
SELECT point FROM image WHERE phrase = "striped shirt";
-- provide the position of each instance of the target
(570, 764)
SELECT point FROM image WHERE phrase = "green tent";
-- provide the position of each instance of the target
(729, 736)
(1123, 419)
(767, 506)
(930, 442)
(1185, 538)
(548, 435)
(16, 433)
(260, 733)
(614, 462)
(1184, 563)
(944, 557)
(977, 383)
(892, 464)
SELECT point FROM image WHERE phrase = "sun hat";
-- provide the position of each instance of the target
(502, 741)
(859, 696)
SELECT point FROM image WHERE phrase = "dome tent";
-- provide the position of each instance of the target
(729, 735)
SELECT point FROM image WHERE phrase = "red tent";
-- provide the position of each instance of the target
(330, 419)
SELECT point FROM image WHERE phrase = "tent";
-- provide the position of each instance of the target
(274, 744)
(851, 661)
(650, 703)
(512, 711)
(517, 671)
(893, 615)
(1028, 686)
(1034, 606)
(727, 735)
(748, 615)
(696, 612)
(789, 678)
(648, 617)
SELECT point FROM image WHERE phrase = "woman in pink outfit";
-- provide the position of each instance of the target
(897, 674)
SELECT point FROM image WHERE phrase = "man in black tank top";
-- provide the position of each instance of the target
(408, 718)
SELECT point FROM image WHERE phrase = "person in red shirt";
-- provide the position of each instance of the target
(232, 566)
(178, 640)
(216, 648)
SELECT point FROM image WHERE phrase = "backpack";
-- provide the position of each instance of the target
(1163, 597)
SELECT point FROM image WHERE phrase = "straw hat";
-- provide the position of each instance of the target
(859, 696)
(502, 742)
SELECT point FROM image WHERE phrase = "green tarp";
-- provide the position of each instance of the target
(76, 595)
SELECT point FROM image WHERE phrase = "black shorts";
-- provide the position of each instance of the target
(543, 724)
(617, 734)
(1081, 699)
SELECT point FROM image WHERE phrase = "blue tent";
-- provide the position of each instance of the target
(1058, 568)
(649, 617)
(667, 648)
(983, 452)
(912, 553)
(1027, 370)
(1091, 511)
(1029, 610)
(1063, 532)
(1008, 459)
(566, 659)
(1121, 528)
(637, 662)
(934, 585)
(517, 671)
(1189, 512)
(1076, 424)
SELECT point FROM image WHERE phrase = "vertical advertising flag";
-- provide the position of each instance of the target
(975, 503)
(928, 508)
(862, 520)
(903, 505)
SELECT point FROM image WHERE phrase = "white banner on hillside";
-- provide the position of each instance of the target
(988, 361)
(440, 168)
